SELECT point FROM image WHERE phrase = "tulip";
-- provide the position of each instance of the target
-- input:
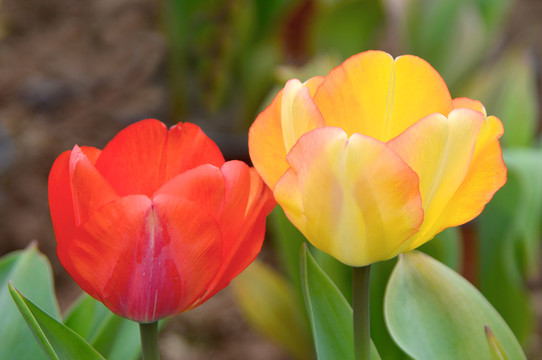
(375, 158)
(157, 222)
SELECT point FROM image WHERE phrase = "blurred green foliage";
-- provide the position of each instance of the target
(88, 327)
(224, 55)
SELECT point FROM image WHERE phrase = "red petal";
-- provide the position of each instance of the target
(204, 185)
(242, 221)
(144, 155)
(91, 255)
(61, 202)
(196, 245)
(132, 161)
(90, 189)
(147, 260)
(189, 147)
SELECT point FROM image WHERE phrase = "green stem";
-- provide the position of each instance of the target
(149, 340)
(360, 301)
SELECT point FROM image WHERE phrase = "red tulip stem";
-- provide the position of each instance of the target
(149, 340)
(360, 302)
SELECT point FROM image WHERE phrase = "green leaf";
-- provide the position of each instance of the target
(380, 274)
(30, 271)
(58, 341)
(497, 351)
(434, 313)
(330, 313)
(508, 90)
(510, 234)
(271, 305)
(288, 241)
(114, 337)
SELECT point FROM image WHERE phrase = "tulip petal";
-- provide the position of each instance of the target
(291, 114)
(91, 253)
(467, 103)
(487, 174)
(61, 201)
(350, 190)
(90, 189)
(144, 155)
(299, 114)
(247, 202)
(196, 246)
(142, 256)
(203, 185)
(439, 150)
(187, 148)
(373, 94)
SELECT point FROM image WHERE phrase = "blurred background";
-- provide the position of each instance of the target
(77, 72)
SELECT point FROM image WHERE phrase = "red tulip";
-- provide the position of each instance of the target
(157, 222)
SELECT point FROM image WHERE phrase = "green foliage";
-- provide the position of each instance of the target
(114, 337)
(31, 272)
(508, 90)
(453, 35)
(330, 313)
(58, 341)
(434, 313)
(287, 242)
(445, 247)
(510, 233)
(495, 346)
(346, 27)
(269, 302)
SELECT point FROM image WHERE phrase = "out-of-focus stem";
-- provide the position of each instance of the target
(360, 302)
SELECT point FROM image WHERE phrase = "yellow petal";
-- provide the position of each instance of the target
(354, 199)
(299, 114)
(291, 114)
(467, 103)
(486, 175)
(375, 95)
(439, 150)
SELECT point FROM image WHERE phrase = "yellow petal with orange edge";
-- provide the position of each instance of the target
(439, 149)
(486, 175)
(291, 114)
(354, 199)
(467, 103)
(375, 95)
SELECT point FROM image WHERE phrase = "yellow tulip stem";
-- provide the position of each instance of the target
(149, 340)
(360, 301)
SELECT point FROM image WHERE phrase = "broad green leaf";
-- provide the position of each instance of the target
(58, 341)
(495, 347)
(271, 305)
(114, 337)
(339, 273)
(30, 271)
(445, 247)
(434, 313)
(510, 234)
(380, 273)
(330, 313)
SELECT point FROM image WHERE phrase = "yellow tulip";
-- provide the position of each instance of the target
(376, 158)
